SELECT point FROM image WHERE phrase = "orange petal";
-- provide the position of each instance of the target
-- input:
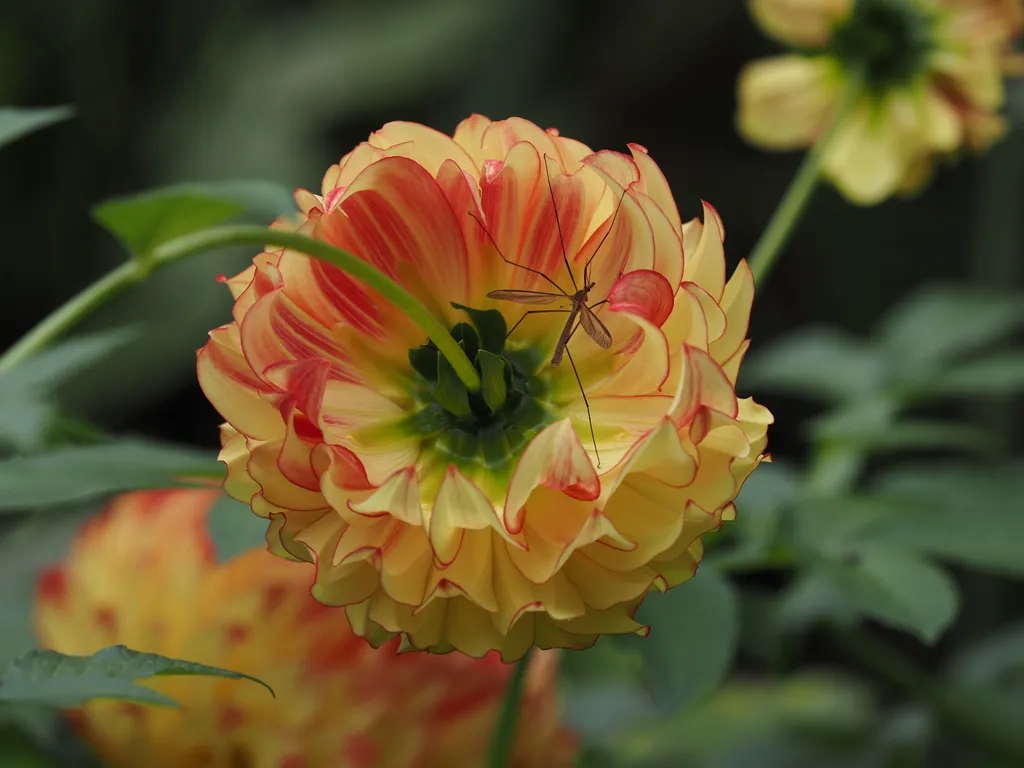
(644, 293)
(469, 134)
(424, 145)
(232, 388)
(556, 459)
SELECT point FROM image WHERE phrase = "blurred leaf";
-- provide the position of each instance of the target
(84, 472)
(143, 222)
(813, 598)
(998, 374)
(24, 411)
(16, 122)
(939, 323)
(875, 437)
(759, 506)
(740, 713)
(816, 362)
(48, 677)
(971, 516)
(994, 659)
(897, 588)
(597, 711)
(234, 529)
(17, 750)
(694, 632)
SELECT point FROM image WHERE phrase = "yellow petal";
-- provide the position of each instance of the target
(800, 23)
(785, 102)
(426, 146)
(705, 258)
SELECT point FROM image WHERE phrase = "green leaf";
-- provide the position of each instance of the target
(16, 122)
(143, 222)
(24, 410)
(60, 680)
(694, 632)
(939, 323)
(898, 588)
(85, 472)
(964, 514)
(998, 374)
(234, 529)
(450, 393)
(994, 659)
(870, 436)
(491, 326)
(492, 376)
(816, 362)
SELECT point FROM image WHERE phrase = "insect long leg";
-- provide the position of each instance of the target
(586, 268)
(512, 263)
(586, 403)
(558, 225)
(532, 312)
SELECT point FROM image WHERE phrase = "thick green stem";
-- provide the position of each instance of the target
(793, 203)
(980, 725)
(504, 737)
(71, 313)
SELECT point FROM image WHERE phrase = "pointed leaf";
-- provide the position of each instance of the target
(16, 122)
(450, 393)
(85, 472)
(48, 677)
(491, 326)
(998, 374)
(492, 375)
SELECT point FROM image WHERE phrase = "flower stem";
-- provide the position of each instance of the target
(504, 736)
(136, 270)
(958, 712)
(787, 214)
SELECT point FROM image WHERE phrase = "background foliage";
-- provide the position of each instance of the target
(864, 610)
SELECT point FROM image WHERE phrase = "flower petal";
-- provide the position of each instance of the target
(705, 252)
(427, 147)
(644, 293)
(785, 102)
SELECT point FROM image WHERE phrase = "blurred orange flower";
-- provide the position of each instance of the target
(933, 83)
(142, 574)
(458, 521)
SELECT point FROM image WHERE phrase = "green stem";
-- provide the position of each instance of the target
(958, 712)
(504, 736)
(136, 270)
(793, 203)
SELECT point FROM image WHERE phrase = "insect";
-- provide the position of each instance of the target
(581, 314)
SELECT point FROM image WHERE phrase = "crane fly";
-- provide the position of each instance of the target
(581, 314)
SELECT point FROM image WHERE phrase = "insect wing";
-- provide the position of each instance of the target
(597, 330)
(525, 297)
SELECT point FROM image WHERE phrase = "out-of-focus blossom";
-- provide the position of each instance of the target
(143, 574)
(932, 74)
(494, 521)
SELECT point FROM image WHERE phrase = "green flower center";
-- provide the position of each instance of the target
(889, 39)
(478, 430)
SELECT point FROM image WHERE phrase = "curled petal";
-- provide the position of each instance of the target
(644, 293)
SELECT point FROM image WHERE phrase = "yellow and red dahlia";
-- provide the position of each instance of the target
(932, 74)
(142, 574)
(473, 522)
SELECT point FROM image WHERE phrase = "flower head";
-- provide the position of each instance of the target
(542, 509)
(932, 83)
(142, 574)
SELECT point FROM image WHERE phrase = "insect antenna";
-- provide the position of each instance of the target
(586, 403)
(586, 268)
(558, 225)
(512, 263)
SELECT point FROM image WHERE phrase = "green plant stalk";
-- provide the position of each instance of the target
(959, 713)
(135, 271)
(504, 737)
(769, 246)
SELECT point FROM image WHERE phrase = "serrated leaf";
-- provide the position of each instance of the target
(939, 323)
(898, 588)
(61, 680)
(998, 374)
(86, 472)
(234, 529)
(143, 222)
(693, 638)
(493, 388)
(16, 122)
(816, 362)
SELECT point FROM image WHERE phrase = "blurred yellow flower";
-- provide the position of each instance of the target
(142, 574)
(932, 83)
(468, 523)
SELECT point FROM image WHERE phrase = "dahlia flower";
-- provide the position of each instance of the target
(932, 83)
(142, 574)
(542, 509)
